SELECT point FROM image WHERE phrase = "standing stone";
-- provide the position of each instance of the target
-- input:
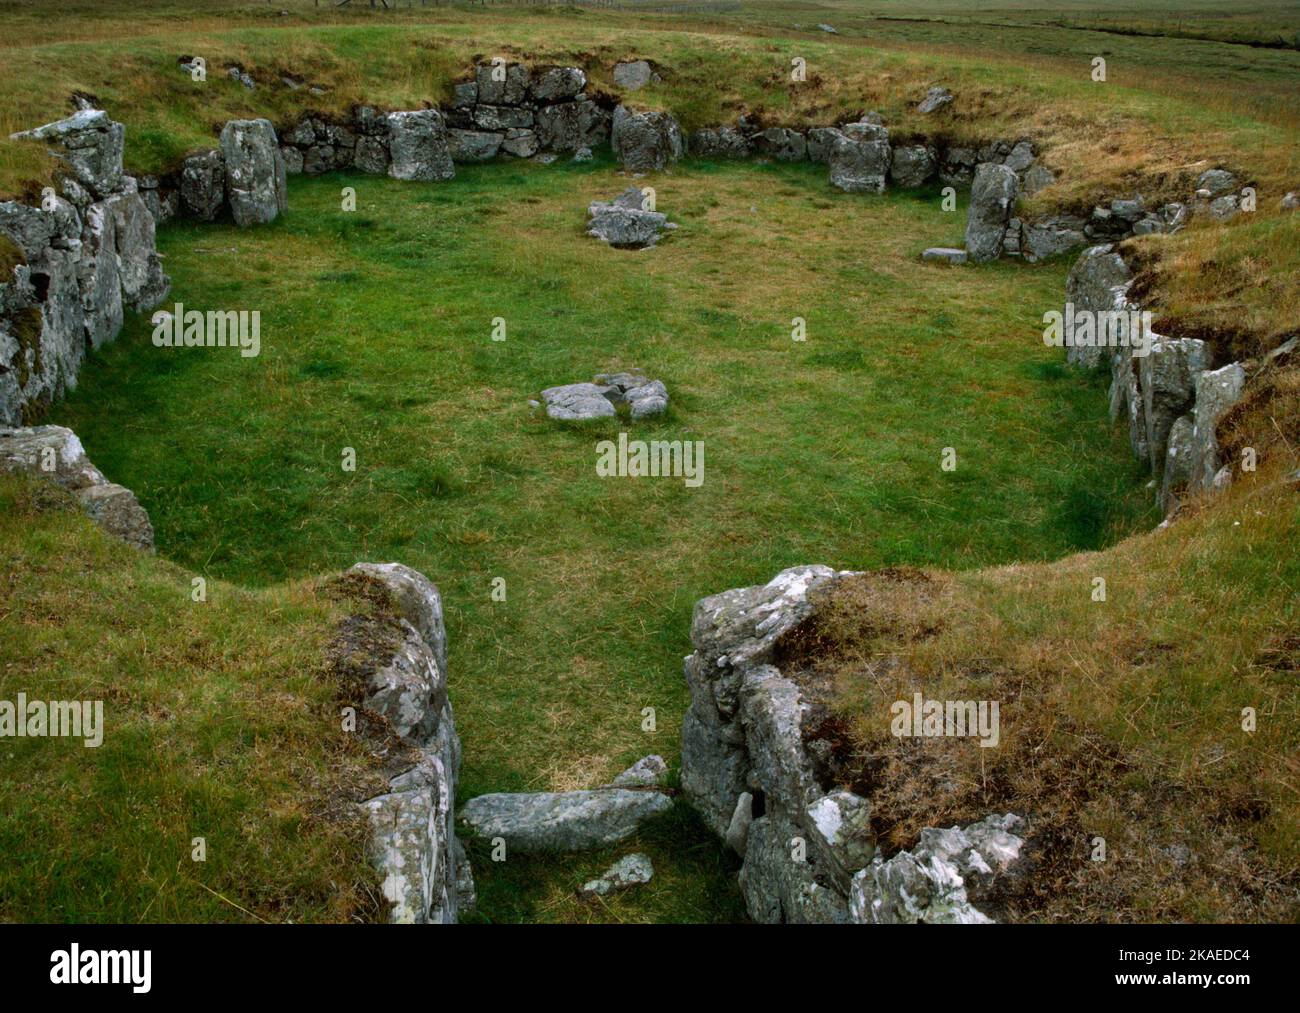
(255, 186)
(645, 141)
(859, 166)
(418, 145)
(1216, 391)
(144, 285)
(101, 283)
(1167, 379)
(1096, 283)
(992, 201)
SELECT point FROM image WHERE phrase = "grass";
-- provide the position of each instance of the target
(376, 335)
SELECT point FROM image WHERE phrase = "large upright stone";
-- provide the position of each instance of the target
(203, 185)
(1167, 380)
(1096, 283)
(645, 141)
(255, 183)
(90, 144)
(144, 285)
(418, 144)
(859, 165)
(1216, 391)
(992, 203)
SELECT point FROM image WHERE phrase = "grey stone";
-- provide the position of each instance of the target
(645, 141)
(778, 887)
(1216, 392)
(1052, 237)
(293, 160)
(858, 166)
(144, 285)
(100, 277)
(568, 126)
(1179, 460)
(417, 144)
(647, 772)
(782, 144)
(633, 75)
(839, 828)
(583, 155)
(624, 223)
(865, 130)
(558, 84)
(255, 184)
(520, 143)
(1217, 182)
(820, 140)
(1021, 156)
(464, 95)
(115, 509)
(719, 142)
(1036, 178)
(737, 835)
(203, 185)
(502, 84)
(563, 821)
(1096, 282)
(992, 202)
(947, 254)
(577, 402)
(371, 155)
(416, 599)
(913, 165)
(473, 145)
(634, 870)
(90, 144)
(1167, 380)
(931, 883)
(502, 117)
(935, 99)
(1223, 208)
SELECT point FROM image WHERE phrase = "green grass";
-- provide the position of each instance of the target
(376, 336)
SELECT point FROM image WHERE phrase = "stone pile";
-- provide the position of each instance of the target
(625, 223)
(577, 402)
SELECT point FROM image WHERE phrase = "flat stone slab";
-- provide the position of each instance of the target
(563, 821)
(577, 402)
(947, 254)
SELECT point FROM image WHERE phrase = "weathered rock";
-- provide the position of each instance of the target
(932, 882)
(473, 145)
(583, 155)
(859, 166)
(642, 395)
(1216, 391)
(144, 285)
(577, 402)
(947, 254)
(633, 75)
(371, 155)
(1167, 380)
(417, 143)
(634, 870)
(464, 94)
(255, 184)
(839, 829)
(1096, 282)
(90, 144)
(563, 821)
(558, 84)
(416, 599)
(935, 99)
(1217, 182)
(55, 453)
(645, 141)
(820, 141)
(778, 886)
(1179, 461)
(737, 835)
(992, 202)
(100, 277)
(1021, 156)
(520, 143)
(719, 142)
(782, 144)
(502, 84)
(203, 185)
(624, 223)
(1036, 178)
(1051, 237)
(866, 130)
(568, 126)
(1223, 208)
(647, 772)
(913, 165)
(502, 117)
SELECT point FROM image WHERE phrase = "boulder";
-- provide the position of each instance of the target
(115, 509)
(1167, 380)
(859, 166)
(520, 143)
(203, 185)
(1217, 182)
(782, 144)
(934, 881)
(417, 143)
(935, 99)
(577, 402)
(1096, 282)
(647, 772)
(642, 395)
(415, 599)
(820, 140)
(371, 155)
(912, 165)
(502, 84)
(557, 84)
(473, 145)
(90, 144)
(645, 141)
(563, 821)
(634, 870)
(780, 888)
(719, 142)
(568, 126)
(255, 183)
(1216, 391)
(633, 75)
(992, 202)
